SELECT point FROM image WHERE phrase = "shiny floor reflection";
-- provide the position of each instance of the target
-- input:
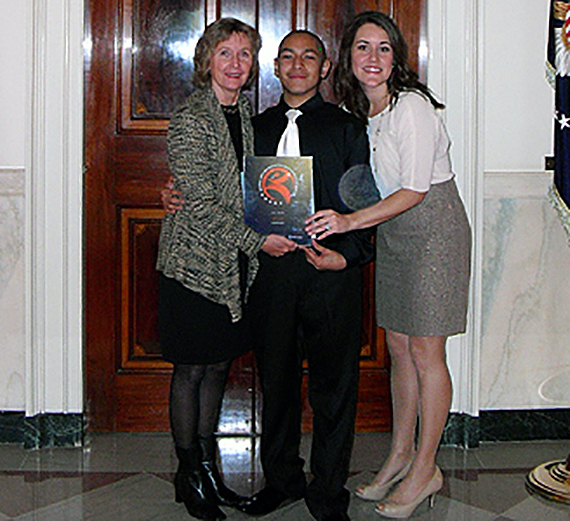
(124, 477)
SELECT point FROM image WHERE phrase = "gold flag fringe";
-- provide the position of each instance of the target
(561, 208)
(550, 73)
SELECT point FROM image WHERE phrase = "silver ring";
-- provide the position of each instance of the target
(327, 226)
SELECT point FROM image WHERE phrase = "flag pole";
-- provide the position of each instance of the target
(552, 480)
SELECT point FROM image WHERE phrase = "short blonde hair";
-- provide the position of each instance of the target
(215, 33)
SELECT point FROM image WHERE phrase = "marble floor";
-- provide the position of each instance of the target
(124, 477)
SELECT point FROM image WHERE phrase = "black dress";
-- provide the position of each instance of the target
(192, 328)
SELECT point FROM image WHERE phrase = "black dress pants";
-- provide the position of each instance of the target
(290, 300)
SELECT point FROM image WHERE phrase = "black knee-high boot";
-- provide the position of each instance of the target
(224, 495)
(193, 487)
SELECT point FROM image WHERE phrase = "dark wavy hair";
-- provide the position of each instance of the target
(215, 33)
(347, 88)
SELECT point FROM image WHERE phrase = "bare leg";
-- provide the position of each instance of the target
(428, 354)
(404, 388)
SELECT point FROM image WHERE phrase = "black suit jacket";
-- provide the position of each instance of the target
(337, 140)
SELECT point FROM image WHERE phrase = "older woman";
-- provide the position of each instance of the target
(423, 249)
(208, 257)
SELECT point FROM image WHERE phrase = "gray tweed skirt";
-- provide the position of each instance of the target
(423, 266)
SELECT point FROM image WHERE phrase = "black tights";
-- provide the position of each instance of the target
(196, 393)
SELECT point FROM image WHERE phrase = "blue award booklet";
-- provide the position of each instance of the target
(278, 195)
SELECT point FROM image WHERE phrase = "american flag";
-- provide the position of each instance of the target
(558, 70)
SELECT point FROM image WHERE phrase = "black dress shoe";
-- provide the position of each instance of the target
(266, 501)
(337, 516)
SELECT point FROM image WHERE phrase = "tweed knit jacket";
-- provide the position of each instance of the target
(199, 244)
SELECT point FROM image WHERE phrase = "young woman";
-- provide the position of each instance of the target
(423, 249)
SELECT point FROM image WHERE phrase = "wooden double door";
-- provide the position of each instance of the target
(138, 65)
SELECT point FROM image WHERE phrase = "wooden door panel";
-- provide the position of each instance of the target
(157, 40)
(276, 18)
(138, 68)
(140, 403)
(140, 349)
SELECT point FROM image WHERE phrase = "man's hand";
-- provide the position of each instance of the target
(171, 199)
(277, 245)
(324, 259)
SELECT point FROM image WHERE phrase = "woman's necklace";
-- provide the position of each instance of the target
(378, 110)
(378, 106)
(230, 109)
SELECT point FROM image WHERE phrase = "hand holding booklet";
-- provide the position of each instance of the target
(278, 195)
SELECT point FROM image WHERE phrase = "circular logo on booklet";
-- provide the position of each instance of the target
(277, 185)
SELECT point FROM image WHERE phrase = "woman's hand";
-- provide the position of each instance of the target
(171, 199)
(277, 245)
(326, 222)
(324, 259)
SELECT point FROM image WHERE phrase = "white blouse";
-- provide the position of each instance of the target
(409, 146)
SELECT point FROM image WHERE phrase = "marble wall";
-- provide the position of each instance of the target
(525, 348)
(12, 338)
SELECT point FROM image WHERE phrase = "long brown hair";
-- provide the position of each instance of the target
(347, 88)
(215, 33)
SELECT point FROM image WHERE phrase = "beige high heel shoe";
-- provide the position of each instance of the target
(397, 511)
(376, 491)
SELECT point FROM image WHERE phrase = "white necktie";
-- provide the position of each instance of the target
(289, 142)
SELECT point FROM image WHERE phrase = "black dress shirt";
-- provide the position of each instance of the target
(337, 141)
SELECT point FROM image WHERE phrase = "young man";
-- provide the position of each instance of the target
(313, 294)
